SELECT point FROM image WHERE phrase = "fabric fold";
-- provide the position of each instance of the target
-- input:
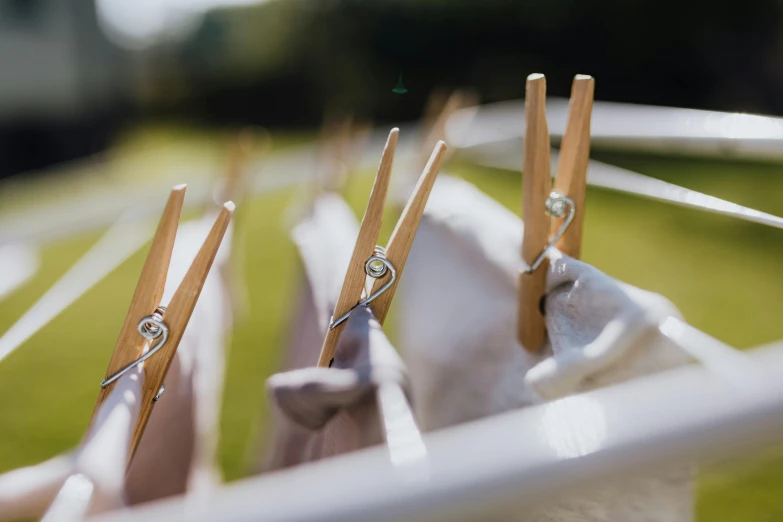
(341, 400)
(324, 238)
(457, 327)
(320, 412)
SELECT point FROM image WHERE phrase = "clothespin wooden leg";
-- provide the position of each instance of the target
(537, 182)
(176, 316)
(404, 233)
(571, 177)
(132, 346)
(369, 230)
(149, 290)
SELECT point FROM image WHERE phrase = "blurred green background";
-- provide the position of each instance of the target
(106, 95)
(75, 73)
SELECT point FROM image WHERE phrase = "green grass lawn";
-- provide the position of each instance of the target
(724, 275)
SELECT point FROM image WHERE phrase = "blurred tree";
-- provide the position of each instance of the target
(280, 62)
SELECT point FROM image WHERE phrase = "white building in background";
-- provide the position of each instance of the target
(70, 68)
(60, 79)
(55, 62)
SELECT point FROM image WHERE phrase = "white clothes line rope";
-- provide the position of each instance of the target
(92, 212)
(18, 263)
(615, 126)
(505, 155)
(640, 128)
(120, 242)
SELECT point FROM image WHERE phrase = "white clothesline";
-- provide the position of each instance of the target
(640, 128)
(666, 130)
(505, 155)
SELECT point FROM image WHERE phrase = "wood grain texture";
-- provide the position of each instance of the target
(571, 177)
(404, 233)
(536, 185)
(176, 317)
(369, 230)
(149, 291)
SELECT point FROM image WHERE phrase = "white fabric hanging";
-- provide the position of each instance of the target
(88, 480)
(457, 322)
(324, 238)
(322, 412)
(338, 404)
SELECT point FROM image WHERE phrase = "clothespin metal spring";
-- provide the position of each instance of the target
(150, 327)
(556, 205)
(376, 267)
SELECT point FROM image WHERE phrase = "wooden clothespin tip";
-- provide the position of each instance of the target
(431, 171)
(571, 179)
(173, 210)
(582, 91)
(391, 144)
(387, 157)
(438, 153)
(174, 205)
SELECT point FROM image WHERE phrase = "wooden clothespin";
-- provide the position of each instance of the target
(342, 140)
(571, 177)
(384, 266)
(433, 107)
(437, 113)
(565, 205)
(232, 187)
(241, 147)
(334, 144)
(358, 137)
(148, 322)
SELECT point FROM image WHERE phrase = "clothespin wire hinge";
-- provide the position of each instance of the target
(376, 267)
(556, 206)
(150, 327)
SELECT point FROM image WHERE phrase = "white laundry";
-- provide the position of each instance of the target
(320, 412)
(338, 404)
(457, 318)
(324, 238)
(88, 480)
